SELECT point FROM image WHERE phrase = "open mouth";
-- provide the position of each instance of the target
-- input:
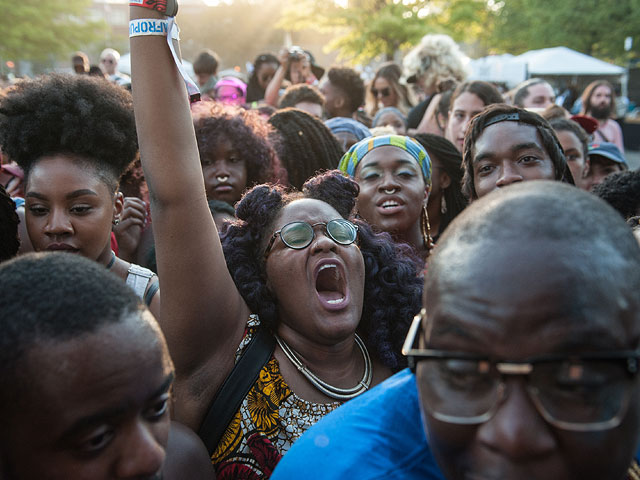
(330, 286)
(390, 204)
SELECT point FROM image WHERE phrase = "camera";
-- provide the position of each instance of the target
(296, 53)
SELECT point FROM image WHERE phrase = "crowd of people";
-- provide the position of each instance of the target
(418, 276)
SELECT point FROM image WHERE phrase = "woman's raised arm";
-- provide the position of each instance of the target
(203, 315)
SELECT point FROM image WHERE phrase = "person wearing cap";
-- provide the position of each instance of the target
(506, 145)
(296, 66)
(347, 130)
(230, 91)
(604, 159)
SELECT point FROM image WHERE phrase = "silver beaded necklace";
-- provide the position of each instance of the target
(329, 390)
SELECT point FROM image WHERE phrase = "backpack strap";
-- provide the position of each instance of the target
(236, 387)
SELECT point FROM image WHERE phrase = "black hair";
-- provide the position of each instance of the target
(522, 90)
(485, 91)
(547, 135)
(622, 191)
(349, 82)
(54, 296)
(391, 291)
(254, 91)
(300, 92)
(602, 245)
(9, 220)
(81, 116)
(566, 125)
(305, 146)
(451, 161)
(207, 61)
(246, 131)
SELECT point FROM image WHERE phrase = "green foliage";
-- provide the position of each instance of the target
(366, 29)
(593, 27)
(36, 29)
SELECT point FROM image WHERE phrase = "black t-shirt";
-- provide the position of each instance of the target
(417, 112)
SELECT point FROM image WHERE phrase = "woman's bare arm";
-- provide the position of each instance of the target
(203, 315)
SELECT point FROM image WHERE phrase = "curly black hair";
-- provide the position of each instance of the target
(246, 131)
(482, 120)
(301, 92)
(451, 161)
(392, 290)
(305, 145)
(77, 115)
(9, 241)
(349, 82)
(622, 191)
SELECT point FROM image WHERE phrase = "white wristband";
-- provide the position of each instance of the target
(152, 26)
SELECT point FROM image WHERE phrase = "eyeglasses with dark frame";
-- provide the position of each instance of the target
(299, 235)
(583, 392)
(384, 92)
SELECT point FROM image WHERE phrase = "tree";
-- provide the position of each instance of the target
(36, 29)
(589, 26)
(365, 29)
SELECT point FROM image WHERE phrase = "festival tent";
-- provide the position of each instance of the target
(548, 62)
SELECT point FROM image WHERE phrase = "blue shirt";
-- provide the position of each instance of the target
(376, 435)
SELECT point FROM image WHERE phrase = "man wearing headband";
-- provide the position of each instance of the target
(505, 145)
(394, 175)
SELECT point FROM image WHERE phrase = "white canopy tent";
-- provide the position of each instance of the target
(556, 61)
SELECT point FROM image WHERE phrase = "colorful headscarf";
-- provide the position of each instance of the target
(357, 152)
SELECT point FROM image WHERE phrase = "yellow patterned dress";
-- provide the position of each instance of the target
(270, 419)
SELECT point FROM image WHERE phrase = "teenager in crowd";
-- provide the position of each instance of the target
(468, 100)
(299, 266)
(575, 145)
(394, 176)
(235, 152)
(604, 159)
(87, 379)
(74, 136)
(513, 379)
(506, 145)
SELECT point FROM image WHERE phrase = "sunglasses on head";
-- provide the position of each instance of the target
(299, 235)
(385, 92)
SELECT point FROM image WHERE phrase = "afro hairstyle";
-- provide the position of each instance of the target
(77, 115)
(622, 191)
(348, 81)
(392, 290)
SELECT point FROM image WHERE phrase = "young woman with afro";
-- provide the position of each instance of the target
(74, 137)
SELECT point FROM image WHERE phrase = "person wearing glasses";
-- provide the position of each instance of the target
(109, 59)
(296, 276)
(385, 90)
(524, 365)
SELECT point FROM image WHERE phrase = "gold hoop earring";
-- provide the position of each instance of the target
(426, 229)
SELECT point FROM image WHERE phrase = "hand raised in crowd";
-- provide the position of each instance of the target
(129, 230)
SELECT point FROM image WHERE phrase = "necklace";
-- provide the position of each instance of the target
(112, 261)
(324, 387)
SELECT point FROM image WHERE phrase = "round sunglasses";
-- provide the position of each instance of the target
(384, 92)
(299, 235)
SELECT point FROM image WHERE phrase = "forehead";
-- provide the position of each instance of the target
(114, 365)
(386, 156)
(63, 172)
(468, 101)
(504, 136)
(540, 89)
(604, 161)
(525, 298)
(602, 90)
(306, 210)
